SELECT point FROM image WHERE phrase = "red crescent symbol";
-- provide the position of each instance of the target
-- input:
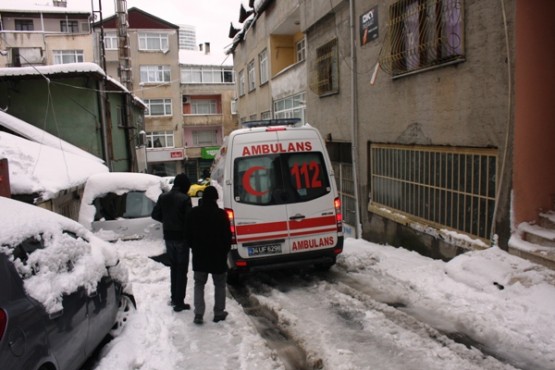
(247, 184)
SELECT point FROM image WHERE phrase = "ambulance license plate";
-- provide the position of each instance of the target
(264, 249)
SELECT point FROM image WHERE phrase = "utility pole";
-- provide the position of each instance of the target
(126, 77)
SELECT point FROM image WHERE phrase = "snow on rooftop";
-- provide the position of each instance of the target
(52, 69)
(45, 6)
(39, 168)
(200, 58)
(33, 133)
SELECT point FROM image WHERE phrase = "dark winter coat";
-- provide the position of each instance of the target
(209, 236)
(171, 210)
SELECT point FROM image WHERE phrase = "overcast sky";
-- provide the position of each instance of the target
(210, 17)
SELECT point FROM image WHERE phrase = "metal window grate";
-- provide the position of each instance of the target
(445, 187)
(423, 34)
(327, 68)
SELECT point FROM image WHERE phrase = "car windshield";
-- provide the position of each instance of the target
(280, 178)
(133, 204)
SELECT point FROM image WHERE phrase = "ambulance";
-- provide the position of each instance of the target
(279, 191)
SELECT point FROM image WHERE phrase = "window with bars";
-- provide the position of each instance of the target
(110, 41)
(423, 34)
(24, 25)
(155, 74)
(158, 107)
(251, 76)
(68, 56)
(69, 26)
(446, 187)
(263, 66)
(153, 41)
(327, 68)
(160, 139)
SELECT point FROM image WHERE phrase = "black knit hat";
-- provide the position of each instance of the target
(182, 182)
(210, 193)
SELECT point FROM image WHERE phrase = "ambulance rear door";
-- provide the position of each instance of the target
(260, 221)
(311, 213)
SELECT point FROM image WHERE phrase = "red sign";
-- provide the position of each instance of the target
(176, 154)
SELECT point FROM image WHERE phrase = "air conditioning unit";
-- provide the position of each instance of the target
(186, 99)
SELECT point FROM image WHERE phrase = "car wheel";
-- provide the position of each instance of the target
(199, 193)
(127, 306)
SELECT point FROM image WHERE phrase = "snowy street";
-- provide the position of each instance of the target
(378, 308)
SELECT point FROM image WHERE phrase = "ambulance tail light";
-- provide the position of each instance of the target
(338, 214)
(231, 217)
(241, 263)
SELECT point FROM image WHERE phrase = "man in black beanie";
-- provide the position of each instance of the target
(208, 232)
(171, 210)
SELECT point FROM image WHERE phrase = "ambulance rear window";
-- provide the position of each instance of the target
(280, 178)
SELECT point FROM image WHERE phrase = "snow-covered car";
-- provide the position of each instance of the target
(117, 205)
(62, 290)
(196, 190)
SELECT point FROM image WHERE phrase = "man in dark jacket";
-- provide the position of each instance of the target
(171, 210)
(208, 233)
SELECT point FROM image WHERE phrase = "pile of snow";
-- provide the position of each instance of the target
(39, 168)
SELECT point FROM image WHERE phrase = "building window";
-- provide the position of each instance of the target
(241, 85)
(24, 25)
(160, 139)
(153, 41)
(291, 107)
(251, 76)
(423, 34)
(110, 41)
(205, 137)
(266, 115)
(68, 56)
(159, 107)
(444, 187)
(155, 74)
(204, 106)
(300, 48)
(69, 26)
(206, 75)
(263, 65)
(327, 69)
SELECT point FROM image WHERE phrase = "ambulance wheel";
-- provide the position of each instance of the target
(233, 278)
(324, 266)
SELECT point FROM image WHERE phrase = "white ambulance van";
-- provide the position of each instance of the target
(280, 195)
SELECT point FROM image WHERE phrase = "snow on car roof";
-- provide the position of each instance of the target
(119, 183)
(66, 263)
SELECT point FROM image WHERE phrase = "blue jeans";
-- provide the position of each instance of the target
(178, 254)
(219, 281)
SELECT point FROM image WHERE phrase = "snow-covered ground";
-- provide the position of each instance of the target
(504, 303)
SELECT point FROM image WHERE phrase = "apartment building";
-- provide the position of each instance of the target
(208, 105)
(34, 34)
(47, 55)
(150, 64)
(441, 107)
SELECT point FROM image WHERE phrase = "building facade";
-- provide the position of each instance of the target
(438, 106)
(150, 64)
(208, 100)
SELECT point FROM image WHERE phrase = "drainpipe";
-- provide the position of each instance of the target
(354, 118)
(103, 124)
